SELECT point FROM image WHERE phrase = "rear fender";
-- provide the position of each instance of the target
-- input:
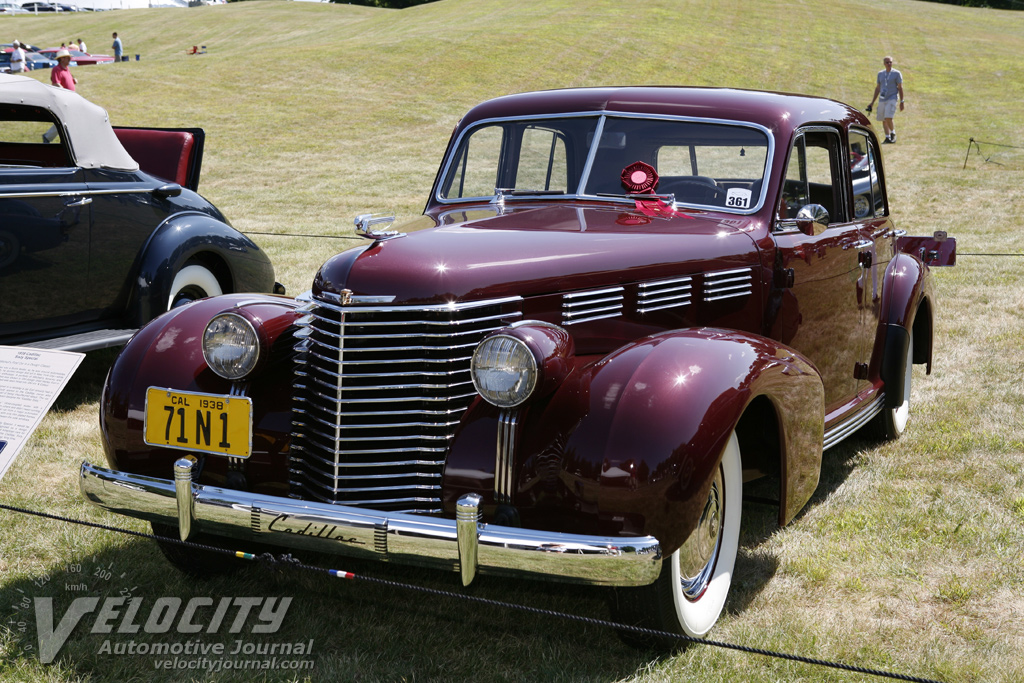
(907, 304)
(237, 262)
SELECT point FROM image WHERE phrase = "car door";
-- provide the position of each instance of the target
(44, 229)
(825, 267)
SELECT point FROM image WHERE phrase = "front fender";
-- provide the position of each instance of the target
(237, 262)
(168, 353)
(634, 438)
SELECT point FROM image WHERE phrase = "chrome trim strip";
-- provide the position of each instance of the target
(847, 427)
(370, 534)
(74, 193)
(658, 295)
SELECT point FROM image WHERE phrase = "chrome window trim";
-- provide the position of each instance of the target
(602, 116)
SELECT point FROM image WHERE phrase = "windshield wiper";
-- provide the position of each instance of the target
(500, 192)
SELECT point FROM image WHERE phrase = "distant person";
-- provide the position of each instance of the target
(17, 58)
(81, 45)
(888, 91)
(60, 77)
(117, 48)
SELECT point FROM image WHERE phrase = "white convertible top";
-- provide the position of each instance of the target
(90, 137)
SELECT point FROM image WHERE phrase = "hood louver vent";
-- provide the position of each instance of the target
(728, 284)
(581, 307)
(662, 294)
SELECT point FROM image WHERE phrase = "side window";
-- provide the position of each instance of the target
(23, 130)
(812, 175)
(867, 187)
(542, 161)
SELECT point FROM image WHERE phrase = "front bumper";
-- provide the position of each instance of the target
(463, 544)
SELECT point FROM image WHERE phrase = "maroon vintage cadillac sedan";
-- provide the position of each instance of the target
(619, 306)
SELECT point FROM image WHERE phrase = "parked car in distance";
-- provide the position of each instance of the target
(33, 60)
(12, 8)
(42, 7)
(78, 57)
(102, 229)
(620, 306)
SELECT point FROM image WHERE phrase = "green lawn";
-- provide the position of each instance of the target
(908, 558)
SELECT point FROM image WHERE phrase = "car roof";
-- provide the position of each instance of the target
(91, 139)
(778, 112)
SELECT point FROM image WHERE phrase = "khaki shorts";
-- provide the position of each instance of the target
(887, 109)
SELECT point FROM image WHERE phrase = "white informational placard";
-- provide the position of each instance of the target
(30, 381)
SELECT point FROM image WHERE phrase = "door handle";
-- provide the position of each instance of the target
(81, 201)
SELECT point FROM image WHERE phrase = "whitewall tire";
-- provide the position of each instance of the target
(191, 283)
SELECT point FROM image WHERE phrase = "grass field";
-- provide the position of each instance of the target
(910, 557)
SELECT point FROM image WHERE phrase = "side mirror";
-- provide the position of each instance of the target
(812, 219)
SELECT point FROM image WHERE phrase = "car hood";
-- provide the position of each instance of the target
(539, 250)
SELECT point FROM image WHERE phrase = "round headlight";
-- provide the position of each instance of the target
(231, 346)
(504, 371)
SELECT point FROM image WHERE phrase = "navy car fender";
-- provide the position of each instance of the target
(237, 262)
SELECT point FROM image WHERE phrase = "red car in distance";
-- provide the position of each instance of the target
(78, 57)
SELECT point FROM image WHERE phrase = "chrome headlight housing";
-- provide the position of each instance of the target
(527, 359)
(231, 346)
(504, 370)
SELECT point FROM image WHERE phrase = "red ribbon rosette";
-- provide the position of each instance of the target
(639, 178)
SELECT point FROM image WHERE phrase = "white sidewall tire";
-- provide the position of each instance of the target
(194, 276)
(696, 617)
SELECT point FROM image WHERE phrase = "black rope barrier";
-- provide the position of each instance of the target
(287, 561)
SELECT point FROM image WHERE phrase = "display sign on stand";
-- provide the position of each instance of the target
(30, 381)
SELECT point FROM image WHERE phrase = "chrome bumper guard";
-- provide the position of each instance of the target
(464, 544)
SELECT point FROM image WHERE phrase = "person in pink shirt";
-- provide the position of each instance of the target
(60, 75)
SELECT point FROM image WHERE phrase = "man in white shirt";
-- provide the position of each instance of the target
(17, 59)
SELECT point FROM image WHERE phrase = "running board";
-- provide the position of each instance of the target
(87, 341)
(847, 427)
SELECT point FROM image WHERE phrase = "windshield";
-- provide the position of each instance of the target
(700, 163)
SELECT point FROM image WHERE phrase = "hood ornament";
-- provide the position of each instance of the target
(364, 223)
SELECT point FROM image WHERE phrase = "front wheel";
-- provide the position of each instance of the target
(688, 596)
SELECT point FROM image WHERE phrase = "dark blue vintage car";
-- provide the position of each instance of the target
(101, 229)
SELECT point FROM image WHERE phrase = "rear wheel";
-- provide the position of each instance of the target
(689, 595)
(191, 283)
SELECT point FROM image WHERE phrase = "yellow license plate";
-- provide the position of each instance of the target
(207, 423)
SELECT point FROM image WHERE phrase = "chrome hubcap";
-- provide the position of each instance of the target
(699, 553)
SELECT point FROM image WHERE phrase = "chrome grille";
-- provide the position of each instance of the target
(581, 307)
(378, 393)
(727, 284)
